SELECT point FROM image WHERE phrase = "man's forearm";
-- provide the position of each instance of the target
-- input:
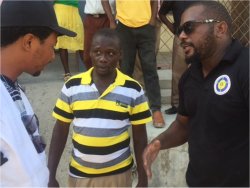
(57, 145)
(169, 25)
(175, 135)
(108, 11)
(154, 8)
(140, 142)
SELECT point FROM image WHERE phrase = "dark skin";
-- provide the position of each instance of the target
(178, 132)
(57, 145)
(105, 54)
(64, 58)
(175, 135)
(167, 22)
(192, 44)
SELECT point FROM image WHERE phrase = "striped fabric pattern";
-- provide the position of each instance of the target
(100, 123)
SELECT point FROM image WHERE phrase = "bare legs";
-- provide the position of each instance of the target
(64, 59)
(65, 62)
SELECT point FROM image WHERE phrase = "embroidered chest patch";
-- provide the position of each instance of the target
(222, 85)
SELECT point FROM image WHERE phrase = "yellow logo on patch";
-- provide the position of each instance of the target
(222, 85)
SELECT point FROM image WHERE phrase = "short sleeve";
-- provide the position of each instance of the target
(62, 110)
(140, 112)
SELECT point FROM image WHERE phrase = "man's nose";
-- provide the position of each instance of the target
(103, 57)
(182, 35)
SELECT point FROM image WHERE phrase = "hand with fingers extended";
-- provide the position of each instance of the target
(149, 155)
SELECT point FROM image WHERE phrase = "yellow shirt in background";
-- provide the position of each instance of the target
(133, 13)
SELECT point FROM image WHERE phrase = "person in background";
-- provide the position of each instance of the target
(136, 27)
(101, 104)
(81, 64)
(137, 74)
(26, 46)
(81, 7)
(178, 58)
(213, 113)
(68, 16)
(95, 19)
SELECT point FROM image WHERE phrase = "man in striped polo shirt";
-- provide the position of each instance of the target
(101, 104)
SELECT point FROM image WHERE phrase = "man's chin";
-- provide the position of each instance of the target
(36, 74)
(192, 59)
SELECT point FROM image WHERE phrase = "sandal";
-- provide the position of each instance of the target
(67, 76)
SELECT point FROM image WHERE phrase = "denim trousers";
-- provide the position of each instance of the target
(141, 40)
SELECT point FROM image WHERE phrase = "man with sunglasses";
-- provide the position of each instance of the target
(29, 31)
(178, 60)
(213, 114)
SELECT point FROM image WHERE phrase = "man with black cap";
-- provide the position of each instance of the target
(29, 31)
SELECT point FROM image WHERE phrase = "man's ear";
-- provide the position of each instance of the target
(221, 29)
(28, 41)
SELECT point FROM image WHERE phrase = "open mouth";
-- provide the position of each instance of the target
(186, 47)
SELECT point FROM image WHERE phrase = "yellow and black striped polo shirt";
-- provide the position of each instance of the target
(100, 123)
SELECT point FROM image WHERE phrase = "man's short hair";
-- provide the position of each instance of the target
(11, 34)
(109, 33)
(215, 10)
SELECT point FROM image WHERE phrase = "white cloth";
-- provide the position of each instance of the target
(25, 167)
(95, 7)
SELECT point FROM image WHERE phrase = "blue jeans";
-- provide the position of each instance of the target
(141, 39)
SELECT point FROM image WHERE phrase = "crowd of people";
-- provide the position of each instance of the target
(103, 103)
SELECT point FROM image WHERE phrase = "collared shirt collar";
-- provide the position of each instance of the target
(87, 78)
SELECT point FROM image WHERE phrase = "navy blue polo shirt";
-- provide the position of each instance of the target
(218, 108)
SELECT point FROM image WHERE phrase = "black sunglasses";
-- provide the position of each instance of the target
(31, 124)
(189, 26)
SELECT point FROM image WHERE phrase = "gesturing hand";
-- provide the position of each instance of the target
(149, 155)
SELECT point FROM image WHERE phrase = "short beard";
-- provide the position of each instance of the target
(194, 58)
(205, 50)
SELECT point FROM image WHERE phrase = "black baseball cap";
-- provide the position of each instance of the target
(31, 13)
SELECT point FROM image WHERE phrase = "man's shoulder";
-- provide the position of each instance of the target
(133, 85)
(77, 79)
(238, 54)
(130, 82)
(244, 52)
(242, 61)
